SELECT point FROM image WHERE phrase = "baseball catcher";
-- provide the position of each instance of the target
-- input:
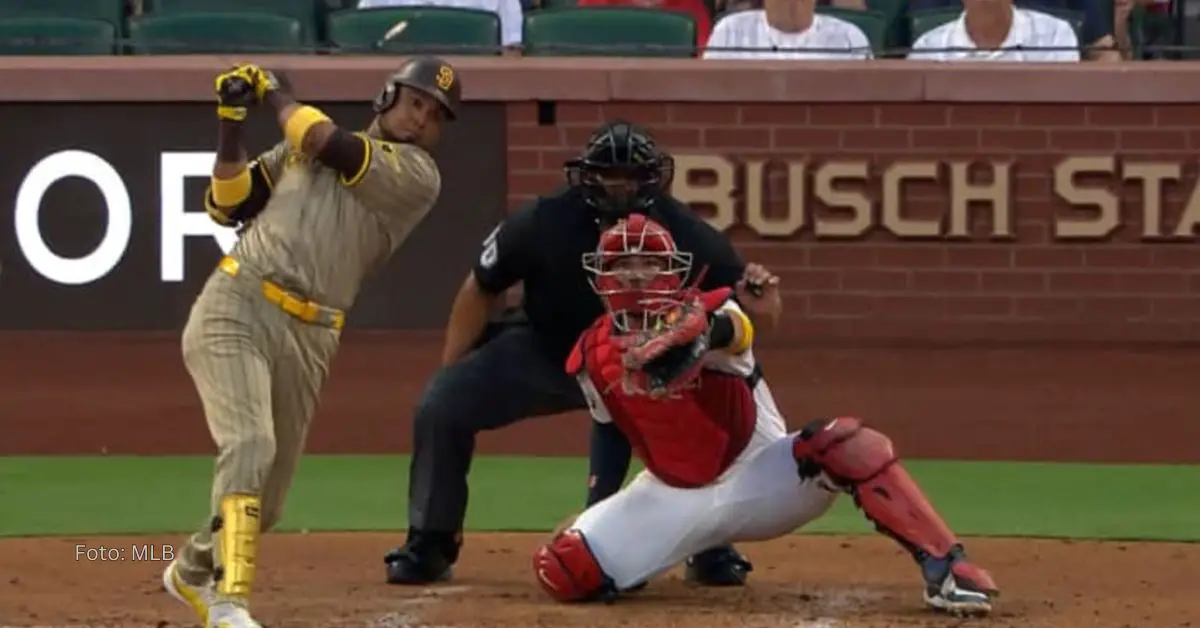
(673, 368)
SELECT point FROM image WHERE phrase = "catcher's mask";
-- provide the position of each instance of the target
(638, 273)
(621, 171)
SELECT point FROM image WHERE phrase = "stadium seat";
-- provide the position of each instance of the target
(214, 33)
(111, 11)
(430, 30)
(873, 24)
(308, 12)
(56, 36)
(922, 22)
(609, 32)
(894, 12)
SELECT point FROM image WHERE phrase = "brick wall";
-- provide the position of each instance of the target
(1031, 286)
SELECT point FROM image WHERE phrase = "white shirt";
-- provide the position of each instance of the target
(1029, 28)
(511, 16)
(827, 37)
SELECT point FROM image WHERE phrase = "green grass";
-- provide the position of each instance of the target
(104, 495)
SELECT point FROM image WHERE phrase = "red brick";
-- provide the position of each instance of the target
(943, 282)
(1047, 257)
(1177, 256)
(1186, 308)
(842, 114)
(1015, 139)
(725, 139)
(979, 257)
(1003, 116)
(702, 114)
(979, 306)
(1120, 308)
(875, 280)
(804, 137)
(1051, 115)
(1177, 115)
(805, 280)
(877, 139)
(1152, 283)
(945, 138)
(835, 304)
(1083, 282)
(1120, 115)
(912, 256)
(1047, 307)
(1127, 257)
(649, 114)
(1014, 282)
(841, 256)
(1083, 140)
(1153, 140)
(674, 138)
(922, 306)
(772, 114)
(520, 160)
(535, 136)
(913, 115)
(534, 182)
(577, 113)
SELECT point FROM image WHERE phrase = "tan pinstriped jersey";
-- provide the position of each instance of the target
(320, 235)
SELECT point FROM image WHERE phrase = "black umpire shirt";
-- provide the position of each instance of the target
(542, 244)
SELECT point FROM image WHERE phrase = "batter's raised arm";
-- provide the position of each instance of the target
(310, 131)
(238, 191)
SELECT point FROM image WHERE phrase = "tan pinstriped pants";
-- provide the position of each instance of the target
(259, 373)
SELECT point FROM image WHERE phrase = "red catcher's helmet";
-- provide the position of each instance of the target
(638, 272)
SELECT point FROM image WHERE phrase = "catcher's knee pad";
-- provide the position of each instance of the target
(863, 461)
(568, 572)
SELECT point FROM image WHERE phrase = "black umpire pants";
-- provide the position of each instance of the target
(506, 378)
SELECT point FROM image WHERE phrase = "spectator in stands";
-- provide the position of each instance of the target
(695, 8)
(786, 29)
(510, 12)
(995, 30)
(1098, 22)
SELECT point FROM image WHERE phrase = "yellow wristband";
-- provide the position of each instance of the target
(301, 120)
(231, 192)
(746, 338)
(237, 114)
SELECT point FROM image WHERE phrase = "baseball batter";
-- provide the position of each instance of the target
(317, 214)
(674, 370)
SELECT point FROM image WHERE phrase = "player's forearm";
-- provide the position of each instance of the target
(231, 155)
(468, 318)
(609, 455)
(309, 131)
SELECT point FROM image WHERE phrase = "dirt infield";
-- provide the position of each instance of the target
(129, 394)
(328, 581)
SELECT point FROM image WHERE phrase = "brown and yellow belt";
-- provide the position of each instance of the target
(295, 306)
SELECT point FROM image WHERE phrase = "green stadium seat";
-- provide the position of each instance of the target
(309, 13)
(557, 4)
(111, 11)
(894, 12)
(922, 22)
(56, 36)
(609, 32)
(430, 30)
(873, 24)
(214, 33)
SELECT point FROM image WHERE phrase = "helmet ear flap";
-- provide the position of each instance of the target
(386, 98)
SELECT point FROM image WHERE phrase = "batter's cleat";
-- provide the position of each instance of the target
(718, 567)
(230, 615)
(955, 586)
(198, 598)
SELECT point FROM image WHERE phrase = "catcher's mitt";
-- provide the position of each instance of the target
(664, 360)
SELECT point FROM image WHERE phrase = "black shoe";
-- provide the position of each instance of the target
(424, 559)
(718, 567)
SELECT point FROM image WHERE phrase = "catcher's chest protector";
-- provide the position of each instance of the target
(686, 440)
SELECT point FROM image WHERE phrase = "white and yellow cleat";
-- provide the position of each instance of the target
(199, 599)
(230, 615)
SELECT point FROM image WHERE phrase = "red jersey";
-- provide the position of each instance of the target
(687, 440)
(694, 8)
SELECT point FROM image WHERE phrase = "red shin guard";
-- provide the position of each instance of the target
(862, 459)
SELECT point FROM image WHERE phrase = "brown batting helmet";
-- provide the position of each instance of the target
(431, 75)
